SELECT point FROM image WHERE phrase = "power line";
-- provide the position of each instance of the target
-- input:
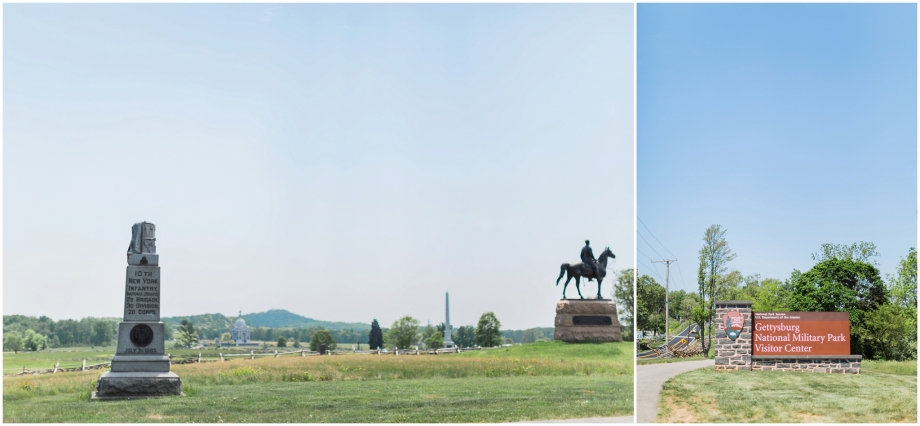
(650, 245)
(681, 272)
(652, 260)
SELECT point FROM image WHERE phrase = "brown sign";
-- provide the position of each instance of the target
(801, 333)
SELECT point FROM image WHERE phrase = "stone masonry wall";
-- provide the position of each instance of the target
(843, 365)
(733, 355)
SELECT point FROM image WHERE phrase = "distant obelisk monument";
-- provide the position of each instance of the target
(448, 342)
(140, 368)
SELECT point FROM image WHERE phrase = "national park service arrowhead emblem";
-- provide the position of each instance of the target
(734, 323)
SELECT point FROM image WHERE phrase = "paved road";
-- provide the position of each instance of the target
(626, 419)
(676, 341)
(650, 378)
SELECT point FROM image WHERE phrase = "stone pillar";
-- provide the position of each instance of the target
(733, 354)
(140, 367)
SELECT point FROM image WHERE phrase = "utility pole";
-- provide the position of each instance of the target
(667, 309)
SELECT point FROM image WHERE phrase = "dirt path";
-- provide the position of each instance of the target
(650, 378)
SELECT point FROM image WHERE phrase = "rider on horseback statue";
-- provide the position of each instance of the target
(587, 257)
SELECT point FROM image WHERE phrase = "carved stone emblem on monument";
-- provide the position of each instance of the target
(140, 367)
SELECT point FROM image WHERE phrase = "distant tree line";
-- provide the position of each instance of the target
(88, 331)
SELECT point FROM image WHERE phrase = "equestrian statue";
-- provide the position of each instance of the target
(589, 268)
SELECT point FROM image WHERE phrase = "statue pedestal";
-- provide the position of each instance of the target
(587, 320)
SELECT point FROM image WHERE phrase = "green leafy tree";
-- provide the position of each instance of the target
(34, 341)
(885, 329)
(226, 337)
(649, 305)
(402, 333)
(488, 333)
(465, 337)
(322, 337)
(623, 294)
(840, 285)
(186, 336)
(375, 337)
(902, 292)
(768, 296)
(296, 343)
(858, 252)
(685, 311)
(12, 341)
(282, 342)
(434, 340)
(714, 258)
(675, 299)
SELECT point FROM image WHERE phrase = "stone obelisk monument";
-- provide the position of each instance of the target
(448, 342)
(140, 367)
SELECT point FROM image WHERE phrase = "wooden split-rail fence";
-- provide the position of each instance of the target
(221, 357)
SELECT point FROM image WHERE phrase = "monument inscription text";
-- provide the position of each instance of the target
(142, 293)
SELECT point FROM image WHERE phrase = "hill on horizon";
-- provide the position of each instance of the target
(273, 318)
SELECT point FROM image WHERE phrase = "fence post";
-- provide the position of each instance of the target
(221, 357)
(301, 352)
(252, 355)
(276, 353)
(84, 366)
(55, 368)
(199, 357)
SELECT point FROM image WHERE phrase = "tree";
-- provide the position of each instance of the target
(33, 341)
(902, 288)
(402, 333)
(859, 252)
(675, 299)
(885, 330)
(226, 337)
(186, 336)
(435, 340)
(649, 305)
(12, 341)
(714, 257)
(375, 337)
(840, 285)
(282, 342)
(623, 294)
(322, 337)
(902, 293)
(296, 343)
(769, 296)
(687, 304)
(488, 332)
(465, 336)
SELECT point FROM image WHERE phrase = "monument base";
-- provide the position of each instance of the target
(587, 320)
(115, 385)
(140, 363)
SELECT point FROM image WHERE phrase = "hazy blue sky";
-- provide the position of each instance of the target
(343, 162)
(790, 125)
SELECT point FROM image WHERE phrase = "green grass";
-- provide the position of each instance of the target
(708, 396)
(906, 368)
(551, 380)
(647, 361)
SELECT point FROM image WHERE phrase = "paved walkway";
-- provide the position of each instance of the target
(625, 419)
(650, 378)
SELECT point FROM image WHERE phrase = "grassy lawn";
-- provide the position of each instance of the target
(646, 361)
(885, 392)
(550, 380)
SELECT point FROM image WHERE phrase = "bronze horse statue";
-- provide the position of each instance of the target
(579, 270)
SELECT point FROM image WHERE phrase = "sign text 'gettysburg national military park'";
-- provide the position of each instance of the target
(801, 333)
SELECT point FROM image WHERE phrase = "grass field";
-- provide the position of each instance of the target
(885, 392)
(551, 380)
